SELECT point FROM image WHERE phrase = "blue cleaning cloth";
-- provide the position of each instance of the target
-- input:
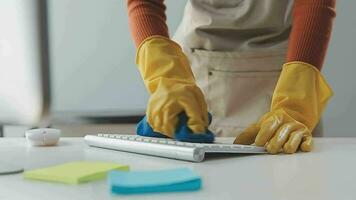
(134, 182)
(182, 132)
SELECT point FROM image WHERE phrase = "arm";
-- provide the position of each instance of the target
(311, 30)
(176, 107)
(301, 93)
(146, 18)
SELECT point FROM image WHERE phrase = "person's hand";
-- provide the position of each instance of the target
(182, 131)
(298, 101)
(169, 80)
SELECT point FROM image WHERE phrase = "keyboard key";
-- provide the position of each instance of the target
(162, 141)
(199, 145)
(189, 144)
(180, 144)
(226, 148)
(171, 142)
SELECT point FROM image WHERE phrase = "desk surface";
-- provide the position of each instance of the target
(326, 173)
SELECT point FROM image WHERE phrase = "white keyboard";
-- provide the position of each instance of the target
(164, 147)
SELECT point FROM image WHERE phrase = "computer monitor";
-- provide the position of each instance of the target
(24, 62)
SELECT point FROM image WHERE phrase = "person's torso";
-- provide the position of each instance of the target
(235, 25)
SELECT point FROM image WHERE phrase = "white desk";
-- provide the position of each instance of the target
(329, 172)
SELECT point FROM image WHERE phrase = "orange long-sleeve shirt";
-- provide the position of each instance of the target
(308, 41)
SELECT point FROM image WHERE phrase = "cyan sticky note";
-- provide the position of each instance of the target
(133, 182)
(74, 172)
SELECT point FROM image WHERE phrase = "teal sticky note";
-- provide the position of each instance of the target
(181, 179)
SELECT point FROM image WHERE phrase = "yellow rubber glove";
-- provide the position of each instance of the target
(298, 101)
(169, 79)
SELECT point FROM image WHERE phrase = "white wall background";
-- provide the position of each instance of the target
(93, 56)
(93, 60)
(340, 70)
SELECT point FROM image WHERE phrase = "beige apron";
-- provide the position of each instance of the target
(236, 49)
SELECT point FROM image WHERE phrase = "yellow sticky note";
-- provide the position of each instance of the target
(74, 172)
